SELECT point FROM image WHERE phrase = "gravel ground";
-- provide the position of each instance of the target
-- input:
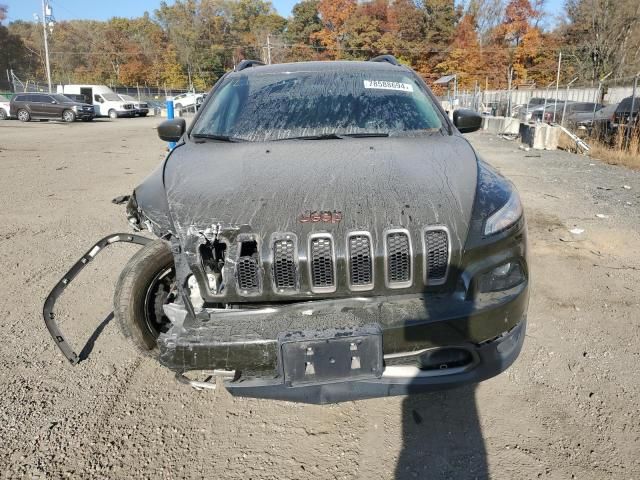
(568, 408)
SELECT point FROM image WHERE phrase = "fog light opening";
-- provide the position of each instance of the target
(502, 277)
(445, 358)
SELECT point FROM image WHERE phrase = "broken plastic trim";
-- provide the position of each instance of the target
(52, 298)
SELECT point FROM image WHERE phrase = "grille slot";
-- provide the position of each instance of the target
(360, 261)
(322, 265)
(436, 244)
(284, 264)
(248, 269)
(399, 268)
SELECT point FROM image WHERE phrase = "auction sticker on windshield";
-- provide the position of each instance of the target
(386, 85)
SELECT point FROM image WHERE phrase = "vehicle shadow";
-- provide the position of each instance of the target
(88, 347)
(441, 432)
(442, 437)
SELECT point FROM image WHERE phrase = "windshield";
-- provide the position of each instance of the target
(111, 97)
(128, 98)
(280, 106)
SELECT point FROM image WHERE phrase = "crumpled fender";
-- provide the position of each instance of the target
(148, 205)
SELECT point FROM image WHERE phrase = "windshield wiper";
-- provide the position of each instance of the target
(220, 138)
(365, 134)
(336, 136)
(323, 136)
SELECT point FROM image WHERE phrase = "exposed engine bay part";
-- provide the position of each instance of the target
(49, 303)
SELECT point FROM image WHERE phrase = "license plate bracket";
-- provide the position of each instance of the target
(332, 355)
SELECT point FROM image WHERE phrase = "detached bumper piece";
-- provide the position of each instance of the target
(52, 298)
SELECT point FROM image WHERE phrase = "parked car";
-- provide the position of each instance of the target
(105, 101)
(4, 107)
(579, 112)
(142, 108)
(189, 99)
(323, 244)
(155, 107)
(624, 112)
(49, 106)
(546, 112)
(525, 114)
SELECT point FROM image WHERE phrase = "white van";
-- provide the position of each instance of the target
(106, 102)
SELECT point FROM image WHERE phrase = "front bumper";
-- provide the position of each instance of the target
(490, 327)
(493, 358)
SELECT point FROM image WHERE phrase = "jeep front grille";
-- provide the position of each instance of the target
(399, 267)
(284, 264)
(322, 263)
(360, 261)
(436, 246)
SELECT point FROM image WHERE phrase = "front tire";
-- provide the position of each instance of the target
(113, 114)
(23, 115)
(3, 114)
(145, 285)
(68, 116)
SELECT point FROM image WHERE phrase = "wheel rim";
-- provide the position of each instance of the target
(161, 291)
(22, 115)
(3, 114)
(68, 116)
(112, 114)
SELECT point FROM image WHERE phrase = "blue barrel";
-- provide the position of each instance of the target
(170, 116)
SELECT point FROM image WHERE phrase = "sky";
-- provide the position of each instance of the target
(104, 9)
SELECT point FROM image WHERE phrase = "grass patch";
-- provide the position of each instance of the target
(618, 152)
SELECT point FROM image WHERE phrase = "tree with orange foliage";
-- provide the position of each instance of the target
(334, 15)
(465, 58)
(519, 37)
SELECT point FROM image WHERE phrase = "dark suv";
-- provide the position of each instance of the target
(323, 233)
(49, 106)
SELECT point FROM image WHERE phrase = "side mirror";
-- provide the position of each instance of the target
(54, 102)
(172, 130)
(467, 121)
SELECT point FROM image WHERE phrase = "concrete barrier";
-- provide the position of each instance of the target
(501, 125)
(540, 136)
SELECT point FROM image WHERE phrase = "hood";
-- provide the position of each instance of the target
(372, 183)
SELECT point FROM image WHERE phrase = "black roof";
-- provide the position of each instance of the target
(625, 105)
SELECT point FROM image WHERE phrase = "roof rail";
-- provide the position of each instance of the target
(386, 58)
(247, 64)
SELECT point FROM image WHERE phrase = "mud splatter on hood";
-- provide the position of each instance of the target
(376, 183)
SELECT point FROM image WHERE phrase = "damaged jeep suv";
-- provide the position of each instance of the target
(324, 233)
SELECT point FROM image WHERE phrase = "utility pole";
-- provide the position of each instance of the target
(268, 49)
(555, 107)
(566, 99)
(597, 98)
(631, 120)
(47, 21)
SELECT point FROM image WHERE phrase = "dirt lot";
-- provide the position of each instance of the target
(569, 407)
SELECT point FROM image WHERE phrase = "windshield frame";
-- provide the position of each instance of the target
(446, 125)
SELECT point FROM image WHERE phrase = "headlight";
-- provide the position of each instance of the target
(75, 107)
(509, 214)
(503, 277)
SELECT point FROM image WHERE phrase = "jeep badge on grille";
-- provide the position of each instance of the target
(322, 216)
